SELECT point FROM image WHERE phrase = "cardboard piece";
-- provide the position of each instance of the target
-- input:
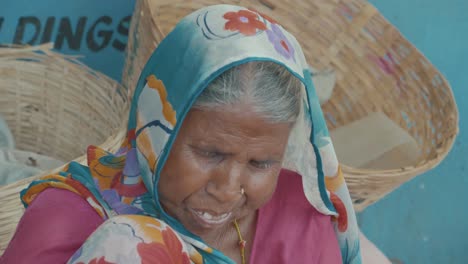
(375, 142)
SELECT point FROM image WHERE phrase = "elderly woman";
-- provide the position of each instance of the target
(226, 161)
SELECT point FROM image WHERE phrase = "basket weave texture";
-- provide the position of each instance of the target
(55, 106)
(377, 69)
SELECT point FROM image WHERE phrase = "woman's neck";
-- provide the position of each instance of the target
(227, 239)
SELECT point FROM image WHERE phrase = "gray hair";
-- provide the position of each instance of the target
(270, 88)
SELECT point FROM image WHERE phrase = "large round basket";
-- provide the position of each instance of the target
(54, 106)
(377, 70)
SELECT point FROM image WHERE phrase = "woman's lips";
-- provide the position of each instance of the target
(209, 220)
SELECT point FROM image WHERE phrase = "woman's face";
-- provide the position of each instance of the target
(216, 153)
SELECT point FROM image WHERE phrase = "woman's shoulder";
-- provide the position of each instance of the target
(289, 203)
(54, 226)
(63, 207)
(289, 195)
(288, 224)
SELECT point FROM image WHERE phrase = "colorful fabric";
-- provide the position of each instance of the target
(201, 47)
(135, 239)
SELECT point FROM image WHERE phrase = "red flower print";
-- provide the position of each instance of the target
(244, 21)
(101, 260)
(266, 17)
(341, 210)
(150, 252)
(170, 252)
(175, 246)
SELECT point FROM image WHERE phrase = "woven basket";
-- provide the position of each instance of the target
(377, 69)
(55, 106)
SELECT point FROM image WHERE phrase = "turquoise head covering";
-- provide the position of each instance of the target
(200, 48)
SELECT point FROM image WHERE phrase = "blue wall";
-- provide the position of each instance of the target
(425, 221)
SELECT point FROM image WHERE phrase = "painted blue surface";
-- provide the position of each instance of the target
(425, 221)
(108, 59)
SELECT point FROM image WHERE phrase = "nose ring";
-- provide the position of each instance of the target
(242, 191)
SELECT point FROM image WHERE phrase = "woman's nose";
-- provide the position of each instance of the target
(225, 184)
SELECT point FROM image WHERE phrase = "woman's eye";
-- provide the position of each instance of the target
(208, 154)
(261, 164)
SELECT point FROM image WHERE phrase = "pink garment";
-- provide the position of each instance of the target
(58, 222)
(290, 230)
(53, 227)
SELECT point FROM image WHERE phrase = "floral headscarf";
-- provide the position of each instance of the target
(201, 47)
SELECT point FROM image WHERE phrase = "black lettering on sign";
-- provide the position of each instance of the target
(22, 23)
(48, 30)
(105, 35)
(122, 29)
(65, 31)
